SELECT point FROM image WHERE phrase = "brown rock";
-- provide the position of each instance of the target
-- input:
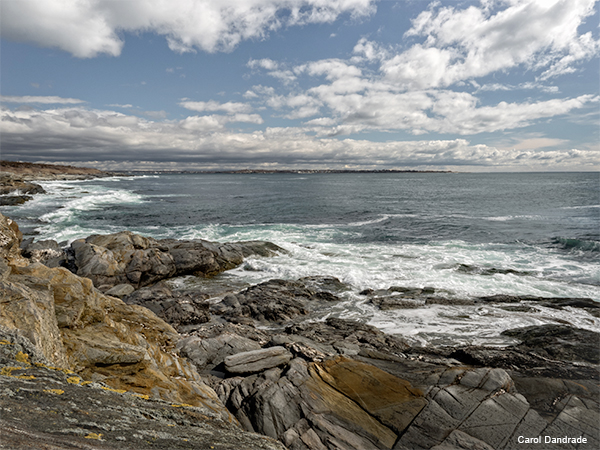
(393, 401)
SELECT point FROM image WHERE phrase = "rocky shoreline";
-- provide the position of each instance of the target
(17, 179)
(98, 350)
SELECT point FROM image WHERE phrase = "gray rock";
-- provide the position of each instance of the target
(257, 360)
(126, 257)
(120, 290)
(14, 200)
(276, 301)
(459, 440)
(206, 354)
(178, 309)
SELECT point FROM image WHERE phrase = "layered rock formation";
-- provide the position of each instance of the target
(47, 407)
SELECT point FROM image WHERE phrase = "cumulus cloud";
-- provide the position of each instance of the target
(468, 43)
(88, 28)
(424, 87)
(78, 134)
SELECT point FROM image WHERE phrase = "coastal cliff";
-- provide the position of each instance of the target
(188, 373)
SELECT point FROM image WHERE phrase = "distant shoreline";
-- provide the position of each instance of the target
(41, 172)
(283, 171)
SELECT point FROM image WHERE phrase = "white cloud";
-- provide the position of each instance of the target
(229, 107)
(38, 99)
(78, 134)
(88, 28)
(537, 143)
(378, 89)
(460, 44)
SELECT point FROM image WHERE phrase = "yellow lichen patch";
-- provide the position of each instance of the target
(60, 369)
(74, 380)
(5, 342)
(97, 436)
(144, 396)
(182, 405)
(120, 391)
(23, 358)
(7, 372)
(55, 391)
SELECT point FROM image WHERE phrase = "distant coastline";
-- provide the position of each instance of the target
(37, 171)
(273, 171)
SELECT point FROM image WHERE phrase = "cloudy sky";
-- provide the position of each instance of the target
(488, 85)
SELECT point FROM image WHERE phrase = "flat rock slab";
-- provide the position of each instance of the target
(257, 360)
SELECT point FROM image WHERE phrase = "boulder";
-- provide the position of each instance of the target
(204, 258)
(120, 258)
(257, 360)
(127, 257)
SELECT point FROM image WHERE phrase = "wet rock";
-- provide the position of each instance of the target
(257, 360)
(14, 200)
(399, 297)
(46, 252)
(275, 301)
(555, 351)
(14, 184)
(587, 304)
(204, 258)
(342, 332)
(559, 342)
(396, 302)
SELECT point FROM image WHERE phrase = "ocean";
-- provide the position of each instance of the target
(466, 235)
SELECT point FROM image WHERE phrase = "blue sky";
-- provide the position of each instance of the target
(490, 85)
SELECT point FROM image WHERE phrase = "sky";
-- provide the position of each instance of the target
(475, 86)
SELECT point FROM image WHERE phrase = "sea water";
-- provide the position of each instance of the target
(466, 235)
